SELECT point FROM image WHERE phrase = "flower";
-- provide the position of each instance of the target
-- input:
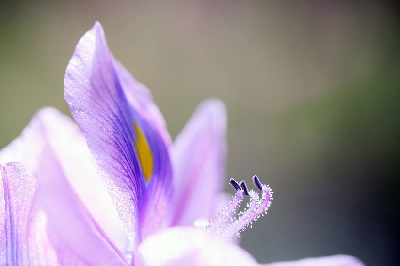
(113, 189)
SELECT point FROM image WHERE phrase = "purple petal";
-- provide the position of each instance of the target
(99, 107)
(47, 225)
(139, 97)
(155, 212)
(51, 128)
(181, 246)
(199, 162)
(22, 240)
(157, 193)
(73, 232)
(70, 150)
(336, 260)
(126, 147)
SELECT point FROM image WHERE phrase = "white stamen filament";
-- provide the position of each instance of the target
(227, 226)
(245, 217)
(225, 215)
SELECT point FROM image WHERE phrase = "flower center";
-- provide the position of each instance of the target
(229, 222)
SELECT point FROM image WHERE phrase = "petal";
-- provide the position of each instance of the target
(127, 149)
(26, 148)
(52, 128)
(199, 162)
(336, 260)
(23, 238)
(179, 246)
(99, 107)
(75, 235)
(140, 98)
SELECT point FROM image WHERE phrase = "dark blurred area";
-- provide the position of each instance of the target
(312, 90)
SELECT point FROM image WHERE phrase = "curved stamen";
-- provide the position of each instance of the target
(226, 225)
(244, 219)
(224, 216)
(244, 187)
(257, 182)
(254, 212)
(267, 199)
(234, 184)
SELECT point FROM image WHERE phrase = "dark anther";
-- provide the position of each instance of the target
(257, 182)
(234, 184)
(244, 187)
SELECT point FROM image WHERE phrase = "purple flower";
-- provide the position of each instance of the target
(113, 189)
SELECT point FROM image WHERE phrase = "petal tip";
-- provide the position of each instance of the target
(98, 29)
(97, 25)
(214, 104)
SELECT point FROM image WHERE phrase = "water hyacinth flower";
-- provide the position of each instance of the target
(113, 189)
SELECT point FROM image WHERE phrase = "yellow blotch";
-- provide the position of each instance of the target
(144, 152)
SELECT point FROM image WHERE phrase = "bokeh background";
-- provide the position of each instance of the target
(312, 91)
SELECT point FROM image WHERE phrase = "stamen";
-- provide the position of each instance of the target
(244, 217)
(244, 187)
(257, 182)
(253, 214)
(224, 216)
(234, 184)
(226, 224)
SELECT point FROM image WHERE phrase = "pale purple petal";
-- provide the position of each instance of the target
(336, 260)
(155, 212)
(182, 246)
(60, 230)
(139, 97)
(199, 161)
(74, 234)
(51, 128)
(23, 238)
(101, 109)
(26, 148)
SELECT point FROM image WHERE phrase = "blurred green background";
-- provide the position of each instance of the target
(312, 91)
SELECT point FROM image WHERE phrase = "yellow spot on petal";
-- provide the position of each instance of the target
(144, 152)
